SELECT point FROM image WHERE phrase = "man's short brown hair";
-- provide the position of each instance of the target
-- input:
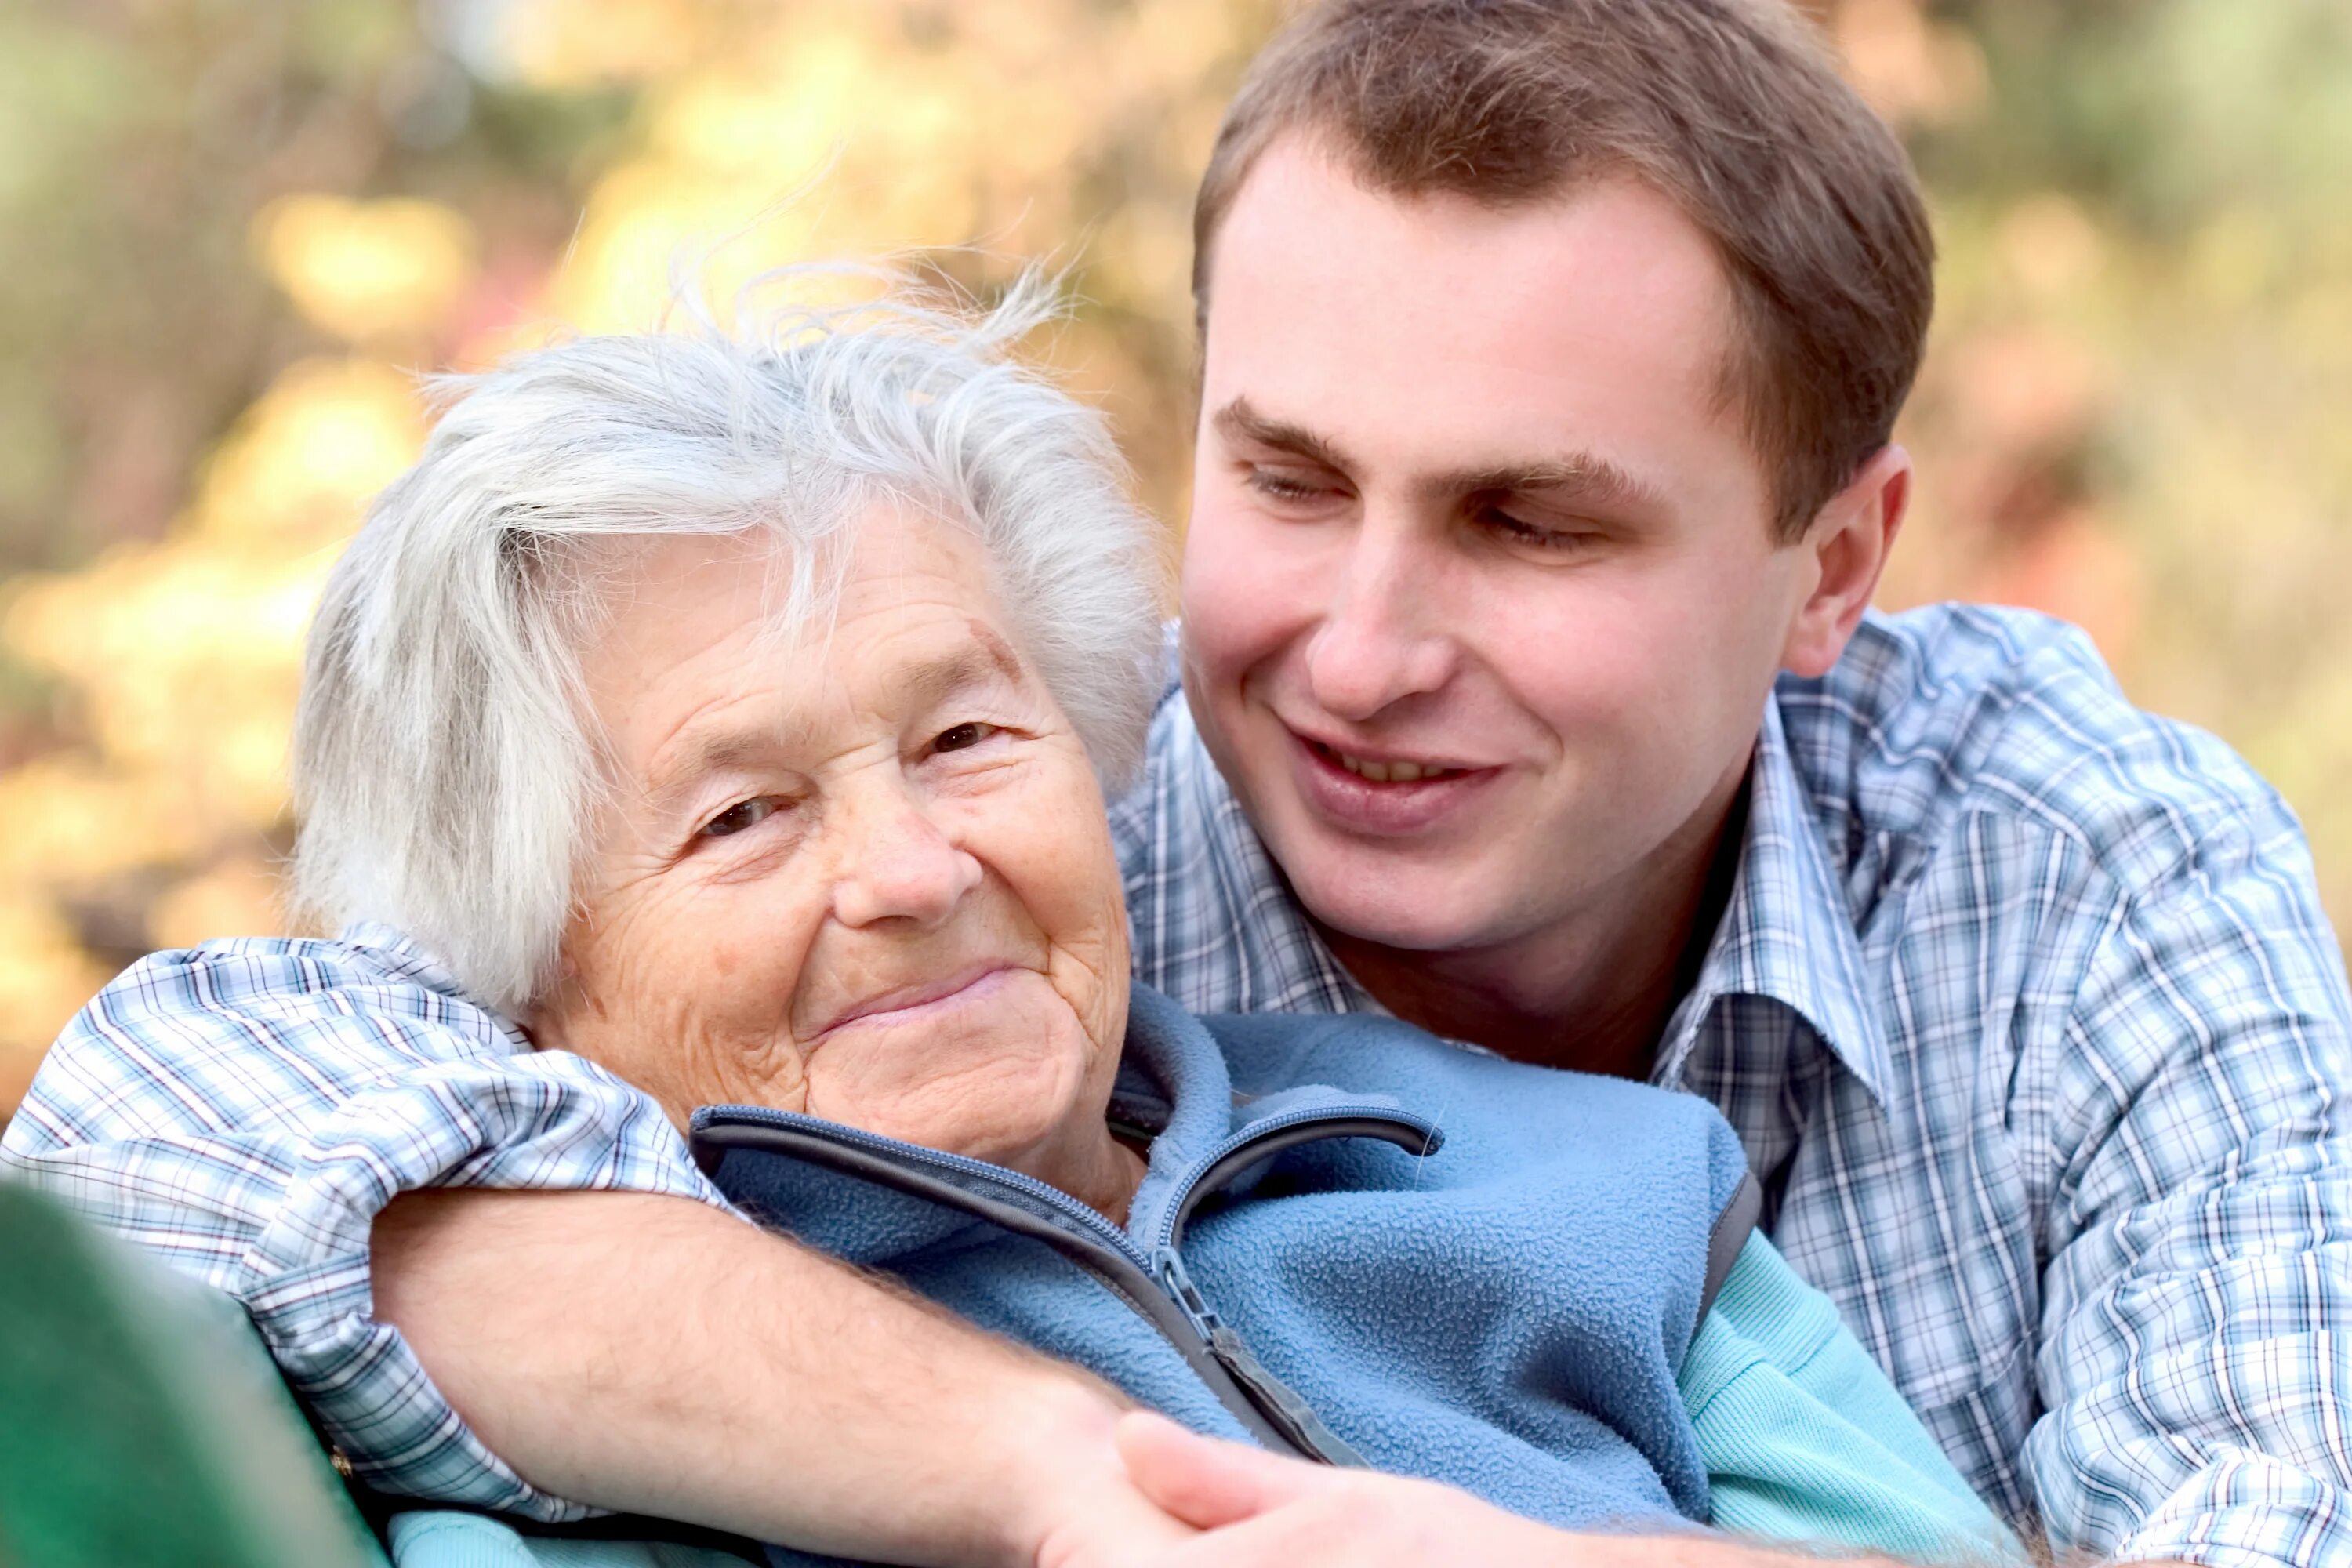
(1731, 108)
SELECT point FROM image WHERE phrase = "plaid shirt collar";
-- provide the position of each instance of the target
(1786, 934)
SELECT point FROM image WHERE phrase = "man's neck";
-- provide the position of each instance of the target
(1594, 992)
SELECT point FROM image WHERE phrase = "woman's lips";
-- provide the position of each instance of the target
(1385, 796)
(910, 1004)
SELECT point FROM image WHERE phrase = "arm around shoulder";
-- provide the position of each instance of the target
(293, 1122)
(245, 1111)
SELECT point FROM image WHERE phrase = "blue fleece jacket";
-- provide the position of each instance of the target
(1307, 1267)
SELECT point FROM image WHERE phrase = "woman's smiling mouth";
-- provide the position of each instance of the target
(920, 1001)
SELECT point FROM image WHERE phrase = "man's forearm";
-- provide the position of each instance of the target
(652, 1355)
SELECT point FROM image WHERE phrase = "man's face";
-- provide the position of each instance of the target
(1481, 604)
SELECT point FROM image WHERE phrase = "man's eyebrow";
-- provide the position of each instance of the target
(1238, 421)
(1579, 476)
(1584, 477)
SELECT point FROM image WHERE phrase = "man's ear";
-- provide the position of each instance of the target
(1848, 541)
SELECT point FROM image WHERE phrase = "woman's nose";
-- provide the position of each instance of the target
(900, 866)
(1381, 639)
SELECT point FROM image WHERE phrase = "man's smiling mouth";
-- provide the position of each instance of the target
(1377, 770)
(1384, 772)
(1387, 796)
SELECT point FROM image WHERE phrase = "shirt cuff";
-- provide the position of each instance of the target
(550, 1121)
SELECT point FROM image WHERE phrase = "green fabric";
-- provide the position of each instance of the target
(141, 1422)
(1807, 1441)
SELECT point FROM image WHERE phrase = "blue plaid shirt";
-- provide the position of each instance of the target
(2023, 1005)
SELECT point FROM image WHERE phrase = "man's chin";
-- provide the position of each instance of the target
(1407, 913)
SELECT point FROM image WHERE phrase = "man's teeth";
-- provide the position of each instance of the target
(1390, 772)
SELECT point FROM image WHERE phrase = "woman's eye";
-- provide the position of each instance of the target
(743, 814)
(961, 737)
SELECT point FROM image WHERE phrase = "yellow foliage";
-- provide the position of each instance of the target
(45, 977)
(366, 269)
(585, 43)
(183, 657)
(73, 819)
(237, 897)
(187, 654)
(310, 453)
(1910, 68)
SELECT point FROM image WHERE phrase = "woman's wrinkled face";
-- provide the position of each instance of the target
(862, 874)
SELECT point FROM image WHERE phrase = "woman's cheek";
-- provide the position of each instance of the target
(1057, 854)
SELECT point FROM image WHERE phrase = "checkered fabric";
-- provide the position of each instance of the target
(2023, 1004)
(2027, 1013)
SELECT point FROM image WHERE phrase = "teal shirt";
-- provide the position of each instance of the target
(1805, 1442)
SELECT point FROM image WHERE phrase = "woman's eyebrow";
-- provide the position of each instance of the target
(986, 657)
(720, 751)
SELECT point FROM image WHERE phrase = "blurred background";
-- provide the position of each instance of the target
(233, 232)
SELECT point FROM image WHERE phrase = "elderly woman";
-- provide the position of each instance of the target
(735, 716)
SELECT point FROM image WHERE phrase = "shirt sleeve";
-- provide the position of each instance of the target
(1806, 1441)
(2193, 1362)
(244, 1109)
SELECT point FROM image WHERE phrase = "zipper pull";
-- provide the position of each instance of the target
(1187, 1295)
(1274, 1399)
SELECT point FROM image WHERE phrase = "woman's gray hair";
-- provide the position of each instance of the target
(445, 771)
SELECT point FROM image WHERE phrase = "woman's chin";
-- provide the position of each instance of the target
(1000, 1075)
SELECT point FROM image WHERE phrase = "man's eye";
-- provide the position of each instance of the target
(743, 814)
(1518, 531)
(961, 737)
(1281, 487)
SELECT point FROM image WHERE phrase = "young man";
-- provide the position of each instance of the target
(1551, 357)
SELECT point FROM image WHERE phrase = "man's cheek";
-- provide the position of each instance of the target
(1245, 590)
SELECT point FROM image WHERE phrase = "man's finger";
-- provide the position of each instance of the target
(1203, 1481)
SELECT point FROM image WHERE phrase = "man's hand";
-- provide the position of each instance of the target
(1261, 1510)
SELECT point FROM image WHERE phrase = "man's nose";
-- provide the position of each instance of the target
(1384, 635)
(899, 865)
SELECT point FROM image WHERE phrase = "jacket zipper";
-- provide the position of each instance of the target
(1214, 1170)
(1154, 1286)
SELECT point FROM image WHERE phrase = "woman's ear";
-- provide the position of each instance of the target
(1848, 541)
